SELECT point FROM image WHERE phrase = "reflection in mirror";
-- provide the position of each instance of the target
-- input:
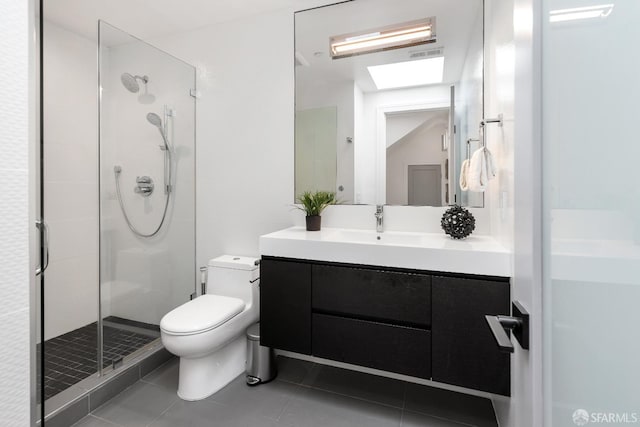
(387, 95)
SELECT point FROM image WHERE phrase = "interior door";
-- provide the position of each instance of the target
(425, 185)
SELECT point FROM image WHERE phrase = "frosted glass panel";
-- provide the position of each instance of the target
(591, 146)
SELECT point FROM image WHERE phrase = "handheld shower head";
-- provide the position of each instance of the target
(155, 120)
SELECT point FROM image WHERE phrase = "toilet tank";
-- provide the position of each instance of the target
(234, 276)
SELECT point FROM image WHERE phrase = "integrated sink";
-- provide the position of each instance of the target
(423, 251)
(370, 236)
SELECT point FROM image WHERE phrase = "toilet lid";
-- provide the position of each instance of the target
(201, 314)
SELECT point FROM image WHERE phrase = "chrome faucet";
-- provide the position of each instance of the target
(379, 215)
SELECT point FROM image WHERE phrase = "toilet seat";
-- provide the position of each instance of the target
(200, 315)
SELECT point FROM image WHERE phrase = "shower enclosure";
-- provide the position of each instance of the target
(118, 195)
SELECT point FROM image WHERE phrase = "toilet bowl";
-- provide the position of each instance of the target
(208, 333)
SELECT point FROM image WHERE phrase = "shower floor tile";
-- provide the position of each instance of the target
(72, 357)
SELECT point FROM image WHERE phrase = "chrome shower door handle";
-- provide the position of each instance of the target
(43, 228)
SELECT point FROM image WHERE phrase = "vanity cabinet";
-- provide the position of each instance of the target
(464, 352)
(285, 305)
(419, 323)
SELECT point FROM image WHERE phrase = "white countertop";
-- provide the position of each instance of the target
(479, 254)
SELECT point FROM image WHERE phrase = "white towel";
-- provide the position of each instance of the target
(464, 173)
(481, 170)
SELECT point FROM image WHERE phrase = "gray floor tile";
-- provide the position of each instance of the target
(318, 408)
(91, 421)
(374, 388)
(206, 413)
(266, 400)
(137, 406)
(450, 405)
(165, 376)
(293, 370)
(414, 419)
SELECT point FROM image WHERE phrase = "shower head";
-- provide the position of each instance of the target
(155, 120)
(131, 82)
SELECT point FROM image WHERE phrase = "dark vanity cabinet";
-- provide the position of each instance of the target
(423, 324)
(285, 305)
(464, 350)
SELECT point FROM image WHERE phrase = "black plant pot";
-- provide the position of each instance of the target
(313, 222)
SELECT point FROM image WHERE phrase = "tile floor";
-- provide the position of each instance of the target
(72, 357)
(304, 395)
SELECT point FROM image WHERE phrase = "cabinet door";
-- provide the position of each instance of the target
(285, 305)
(464, 352)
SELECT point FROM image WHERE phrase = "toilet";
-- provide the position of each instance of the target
(208, 332)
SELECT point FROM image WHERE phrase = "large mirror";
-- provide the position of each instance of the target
(389, 96)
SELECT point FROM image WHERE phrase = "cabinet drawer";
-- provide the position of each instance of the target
(372, 294)
(399, 349)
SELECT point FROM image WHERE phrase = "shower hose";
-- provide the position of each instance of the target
(168, 190)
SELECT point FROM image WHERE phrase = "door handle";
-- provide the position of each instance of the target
(518, 324)
(43, 228)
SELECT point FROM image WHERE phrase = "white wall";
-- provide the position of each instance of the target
(515, 64)
(499, 99)
(70, 179)
(245, 126)
(16, 138)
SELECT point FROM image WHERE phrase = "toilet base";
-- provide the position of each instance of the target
(201, 377)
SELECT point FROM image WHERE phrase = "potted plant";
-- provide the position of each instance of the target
(313, 204)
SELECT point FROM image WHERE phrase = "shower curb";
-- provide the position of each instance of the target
(111, 386)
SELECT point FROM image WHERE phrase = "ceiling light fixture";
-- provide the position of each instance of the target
(576, 13)
(409, 73)
(397, 36)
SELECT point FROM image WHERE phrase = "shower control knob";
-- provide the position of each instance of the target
(144, 186)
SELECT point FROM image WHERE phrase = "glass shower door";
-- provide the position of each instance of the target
(147, 191)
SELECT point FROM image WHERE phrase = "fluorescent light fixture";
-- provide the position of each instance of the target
(397, 36)
(576, 13)
(409, 73)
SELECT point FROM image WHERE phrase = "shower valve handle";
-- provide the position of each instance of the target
(144, 186)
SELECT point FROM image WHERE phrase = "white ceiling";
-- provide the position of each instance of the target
(147, 19)
(153, 18)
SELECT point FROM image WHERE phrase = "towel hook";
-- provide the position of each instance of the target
(469, 141)
(483, 123)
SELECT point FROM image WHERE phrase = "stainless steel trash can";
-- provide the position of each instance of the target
(261, 366)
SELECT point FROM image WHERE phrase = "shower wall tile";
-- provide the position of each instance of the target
(14, 293)
(14, 214)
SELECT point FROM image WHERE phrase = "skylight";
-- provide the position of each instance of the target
(408, 73)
